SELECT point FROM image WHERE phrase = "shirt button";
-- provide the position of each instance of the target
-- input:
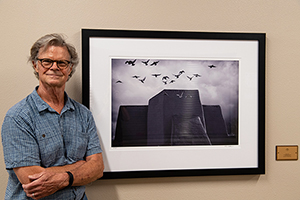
(43, 135)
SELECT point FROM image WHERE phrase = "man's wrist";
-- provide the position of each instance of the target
(71, 178)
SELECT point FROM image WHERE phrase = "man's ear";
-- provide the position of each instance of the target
(71, 68)
(35, 66)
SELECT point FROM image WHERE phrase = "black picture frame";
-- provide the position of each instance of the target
(252, 74)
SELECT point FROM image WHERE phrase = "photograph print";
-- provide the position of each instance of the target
(174, 102)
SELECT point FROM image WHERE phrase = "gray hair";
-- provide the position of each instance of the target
(53, 40)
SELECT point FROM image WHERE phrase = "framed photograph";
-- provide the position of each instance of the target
(175, 103)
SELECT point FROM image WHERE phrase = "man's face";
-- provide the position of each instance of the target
(54, 76)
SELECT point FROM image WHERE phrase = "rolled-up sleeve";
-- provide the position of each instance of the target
(94, 142)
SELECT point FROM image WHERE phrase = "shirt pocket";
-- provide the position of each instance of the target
(51, 147)
(76, 145)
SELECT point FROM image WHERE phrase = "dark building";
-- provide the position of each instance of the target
(215, 125)
(169, 111)
(173, 117)
(131, 129)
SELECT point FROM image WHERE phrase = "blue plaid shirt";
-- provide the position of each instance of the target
(35, 134)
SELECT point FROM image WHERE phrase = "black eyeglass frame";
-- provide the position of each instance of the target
(57, 63)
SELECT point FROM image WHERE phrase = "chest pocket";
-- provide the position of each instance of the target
(76, 144)
(51, 147)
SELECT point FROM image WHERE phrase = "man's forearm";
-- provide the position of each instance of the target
(49, 180)
(89, 171)
(84, 172)
(62, 169)
(23, 172)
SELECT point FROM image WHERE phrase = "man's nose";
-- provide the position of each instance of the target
(55, 66)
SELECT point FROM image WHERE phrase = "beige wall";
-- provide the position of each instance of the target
(22, 22)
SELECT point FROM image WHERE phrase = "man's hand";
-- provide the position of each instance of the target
(45, 183)
(39, 182)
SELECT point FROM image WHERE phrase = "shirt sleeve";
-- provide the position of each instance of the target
(19, 144)
(94, 146)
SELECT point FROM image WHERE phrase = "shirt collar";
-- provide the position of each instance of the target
(42, 105)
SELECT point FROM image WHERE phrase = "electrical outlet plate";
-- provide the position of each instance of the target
(287, 152)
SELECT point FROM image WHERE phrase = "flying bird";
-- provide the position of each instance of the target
(181, 72)
(142, 80)
(156, 75)
(154, 63)
(190, 77)
(130, 62)
(145, 62)
(135, 76)
(211, 66)
(172, 81)
(119, 81)
(180, 95)
(197, 75)
(165, 78)
(177, 75)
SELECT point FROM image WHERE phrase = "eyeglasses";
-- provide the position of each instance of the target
(48, 63)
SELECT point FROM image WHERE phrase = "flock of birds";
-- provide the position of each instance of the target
(165, 79)
(132, 62)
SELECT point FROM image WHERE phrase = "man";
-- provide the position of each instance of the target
(50, 142)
